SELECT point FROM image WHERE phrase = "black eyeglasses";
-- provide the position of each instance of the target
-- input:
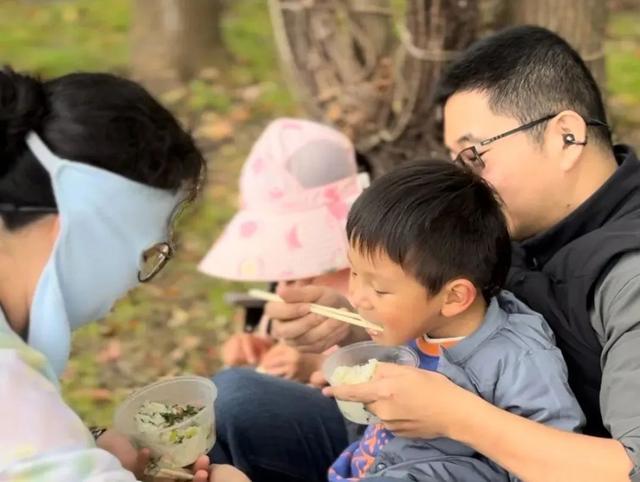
(470, 156)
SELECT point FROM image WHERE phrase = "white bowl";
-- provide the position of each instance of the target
(169, 446)
(360, 354)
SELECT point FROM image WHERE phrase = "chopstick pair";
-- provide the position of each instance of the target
(327, 311)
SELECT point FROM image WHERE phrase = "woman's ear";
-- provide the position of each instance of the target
(459, 294)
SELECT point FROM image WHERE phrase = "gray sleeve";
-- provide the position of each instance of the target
(536, 387)
(444, 468)
(616, 319)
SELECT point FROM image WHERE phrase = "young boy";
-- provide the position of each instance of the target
(429, 251)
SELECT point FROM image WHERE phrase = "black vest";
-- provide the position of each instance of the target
(556, 273)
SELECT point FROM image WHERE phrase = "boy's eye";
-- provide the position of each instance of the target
(353, 274)
(378, 292)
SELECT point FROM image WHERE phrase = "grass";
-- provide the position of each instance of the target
(623, 57)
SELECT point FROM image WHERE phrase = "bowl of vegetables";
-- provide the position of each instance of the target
(173, 418)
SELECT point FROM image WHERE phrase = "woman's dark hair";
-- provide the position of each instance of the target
(438, 221)
(98, 119)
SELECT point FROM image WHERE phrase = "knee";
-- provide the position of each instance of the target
(238, 391)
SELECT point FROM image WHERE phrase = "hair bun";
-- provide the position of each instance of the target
(22, 109)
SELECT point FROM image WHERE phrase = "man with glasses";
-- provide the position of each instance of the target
(522, 109)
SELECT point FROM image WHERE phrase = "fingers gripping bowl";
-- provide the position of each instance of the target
(356, 364)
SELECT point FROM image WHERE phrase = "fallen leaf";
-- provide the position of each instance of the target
(209, 73)
(111, 353)
(240, 114)
(190, 342)
(216, 131)
(179, 317)
(174, 96)
(177, 354)
(252, 93)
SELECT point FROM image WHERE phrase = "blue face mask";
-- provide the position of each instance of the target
(106, 223)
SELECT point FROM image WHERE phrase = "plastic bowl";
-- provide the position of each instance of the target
(360, 354)
(169, 447)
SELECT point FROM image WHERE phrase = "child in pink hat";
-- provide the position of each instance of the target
(296, 188)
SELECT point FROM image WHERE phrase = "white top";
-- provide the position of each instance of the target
(41, 438)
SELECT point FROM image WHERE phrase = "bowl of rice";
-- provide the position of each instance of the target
(356, 363)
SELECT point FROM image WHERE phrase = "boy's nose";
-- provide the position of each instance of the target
(357, 297)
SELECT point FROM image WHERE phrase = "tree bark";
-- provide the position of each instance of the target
(174, 40)
(581, 22)
(350, 69)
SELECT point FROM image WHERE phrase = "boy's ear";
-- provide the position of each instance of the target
(459, 294)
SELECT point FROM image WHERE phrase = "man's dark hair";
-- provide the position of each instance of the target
(438, 221)
(528, 72)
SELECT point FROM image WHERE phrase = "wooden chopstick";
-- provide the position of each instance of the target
(335, 313)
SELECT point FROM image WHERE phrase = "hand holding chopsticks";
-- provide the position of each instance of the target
(334, 313)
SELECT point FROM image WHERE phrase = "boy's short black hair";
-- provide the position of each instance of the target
(528, 72)
(438, 221)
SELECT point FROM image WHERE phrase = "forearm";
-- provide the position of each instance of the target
(535, 452)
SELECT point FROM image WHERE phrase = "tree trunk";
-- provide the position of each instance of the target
(581, 22)
(351, 70)
(174, 40)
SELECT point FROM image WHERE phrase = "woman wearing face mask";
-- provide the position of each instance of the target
(92, 174)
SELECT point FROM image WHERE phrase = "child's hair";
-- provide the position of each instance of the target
(438, 221)
(98, 119)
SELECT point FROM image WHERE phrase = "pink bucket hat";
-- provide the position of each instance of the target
(296, 188)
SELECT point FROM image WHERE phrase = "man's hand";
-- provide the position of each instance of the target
(410, 402)
(297, 326)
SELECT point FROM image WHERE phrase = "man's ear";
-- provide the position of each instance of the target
(565, 137)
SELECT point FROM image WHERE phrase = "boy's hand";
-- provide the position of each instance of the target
(297, 326)
(318, 380)
(245, 348)
(119, 446)
(410, 402)
(288, 362)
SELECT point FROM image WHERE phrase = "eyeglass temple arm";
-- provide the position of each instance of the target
(523, 127)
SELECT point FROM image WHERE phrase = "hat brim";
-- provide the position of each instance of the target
(266, 246)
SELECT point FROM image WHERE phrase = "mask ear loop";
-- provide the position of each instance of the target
(48, 159)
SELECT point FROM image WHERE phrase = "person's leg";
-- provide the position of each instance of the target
(275, 430)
